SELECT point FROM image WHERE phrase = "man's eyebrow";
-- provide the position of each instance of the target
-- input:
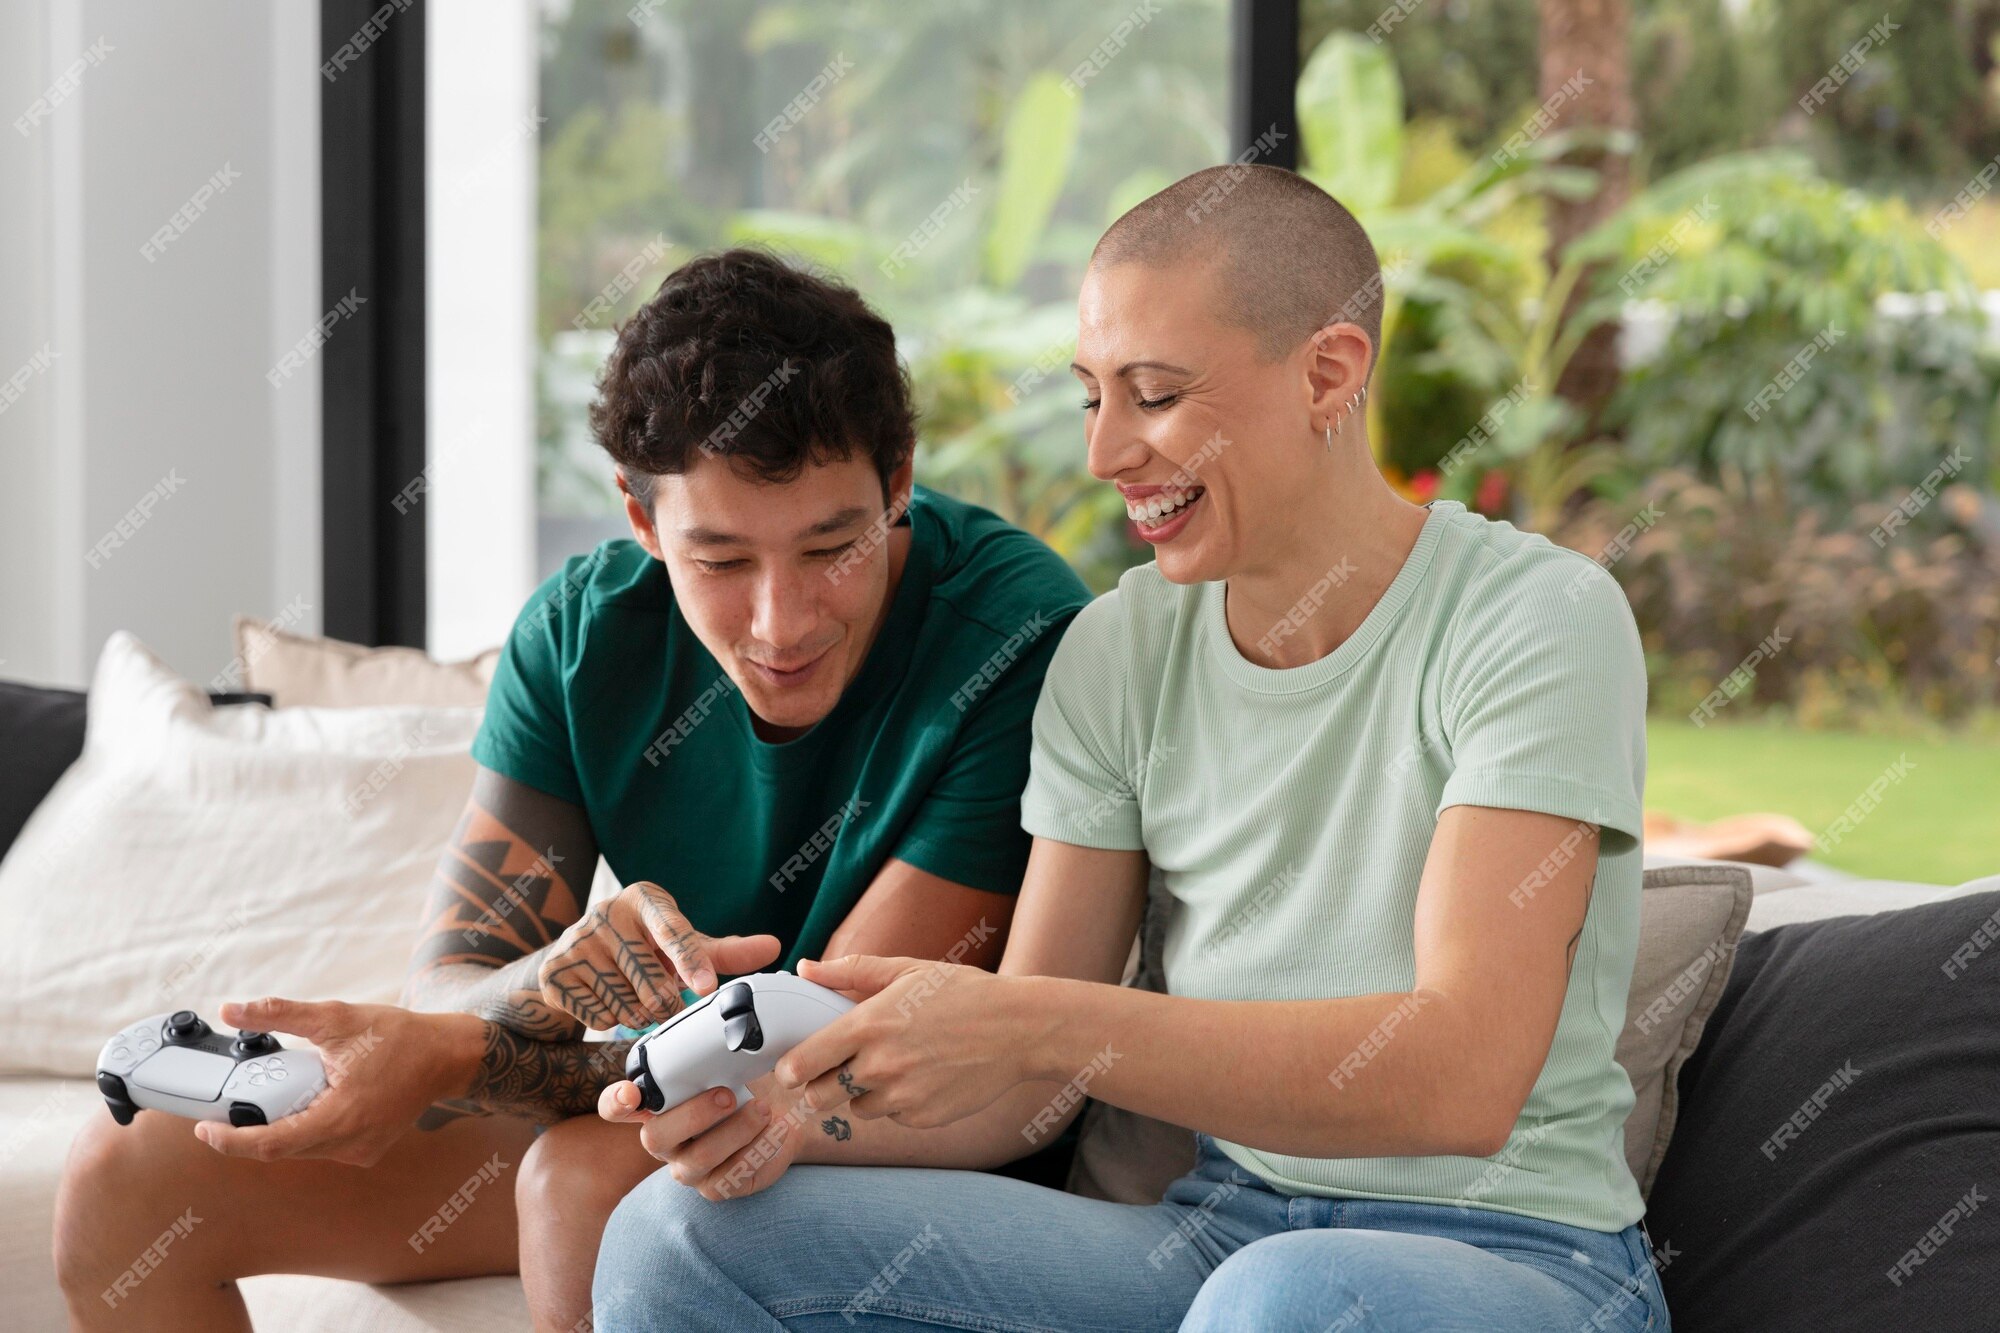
(1131, 366)
(844, 518)
(834, 522)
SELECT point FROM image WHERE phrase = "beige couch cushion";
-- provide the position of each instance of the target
(288, 1304)
(39, 1117)
(1690, 919)
(304, 671)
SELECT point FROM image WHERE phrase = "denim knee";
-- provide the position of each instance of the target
(652, 1251)
(1258, 1288)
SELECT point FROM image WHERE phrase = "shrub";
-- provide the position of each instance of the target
(1863, 624)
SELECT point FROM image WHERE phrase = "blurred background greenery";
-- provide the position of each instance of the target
(1580, 321)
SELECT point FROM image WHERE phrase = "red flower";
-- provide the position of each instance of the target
(1492, 495)
(1424, 487)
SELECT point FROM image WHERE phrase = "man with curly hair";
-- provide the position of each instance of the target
(791, 713)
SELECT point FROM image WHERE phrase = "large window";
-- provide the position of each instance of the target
(954, 161)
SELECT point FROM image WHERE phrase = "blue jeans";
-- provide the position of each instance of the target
(838, 1248)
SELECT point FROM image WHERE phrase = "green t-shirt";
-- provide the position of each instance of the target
(1290, 812)
(605, 698)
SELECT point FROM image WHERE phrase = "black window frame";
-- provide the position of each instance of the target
(372, 365)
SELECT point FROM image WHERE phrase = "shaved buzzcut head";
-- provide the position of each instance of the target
(1287, 259)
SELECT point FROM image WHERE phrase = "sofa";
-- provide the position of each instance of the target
(152, 772)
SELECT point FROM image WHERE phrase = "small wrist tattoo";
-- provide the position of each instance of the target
(838, 1128)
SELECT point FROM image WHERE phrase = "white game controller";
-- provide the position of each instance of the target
(177, 1063)
(729, 1037)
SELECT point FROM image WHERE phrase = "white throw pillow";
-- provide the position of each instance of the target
(195, 854)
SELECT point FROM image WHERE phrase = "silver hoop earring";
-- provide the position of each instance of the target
(1329, 434)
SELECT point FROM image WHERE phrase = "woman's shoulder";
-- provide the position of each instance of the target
(1129, 629)
(1502, 573)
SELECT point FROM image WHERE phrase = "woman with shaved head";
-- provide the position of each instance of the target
(1386, 761)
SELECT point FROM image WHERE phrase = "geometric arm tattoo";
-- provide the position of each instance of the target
(516, 875)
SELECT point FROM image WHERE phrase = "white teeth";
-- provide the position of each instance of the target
(1151, 511)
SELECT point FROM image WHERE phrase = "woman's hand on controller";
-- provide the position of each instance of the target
(711, 1144)
(384, 1068)
(928, 1044)
(627, 959)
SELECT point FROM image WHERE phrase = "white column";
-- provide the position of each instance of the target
(480, 143)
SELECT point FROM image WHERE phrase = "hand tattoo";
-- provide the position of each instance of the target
(848, 1085)
(839, 1129)
(606, 969)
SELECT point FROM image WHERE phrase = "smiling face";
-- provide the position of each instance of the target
(785, 583)
(1204, 438)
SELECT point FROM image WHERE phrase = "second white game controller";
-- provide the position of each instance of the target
(725, 1039)
(177, 1063)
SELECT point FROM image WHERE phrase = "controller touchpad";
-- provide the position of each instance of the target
(196, 1075)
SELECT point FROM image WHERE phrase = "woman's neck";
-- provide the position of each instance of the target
(1320, 574)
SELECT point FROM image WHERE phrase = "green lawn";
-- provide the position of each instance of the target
(1940, 823)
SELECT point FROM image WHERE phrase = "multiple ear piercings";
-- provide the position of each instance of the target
(1353, 406)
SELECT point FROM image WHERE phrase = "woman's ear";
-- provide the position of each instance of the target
(1337, 360)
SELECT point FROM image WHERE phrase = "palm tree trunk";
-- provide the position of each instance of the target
(1590, 39)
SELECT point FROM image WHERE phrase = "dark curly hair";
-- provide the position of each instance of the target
(745, 357)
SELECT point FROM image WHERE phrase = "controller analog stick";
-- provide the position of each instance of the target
(254, 1043)
(186, 1025)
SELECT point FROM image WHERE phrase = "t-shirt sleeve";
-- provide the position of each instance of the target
(1080, 787)
(1545, 705)
(525, 734)
(968, 828)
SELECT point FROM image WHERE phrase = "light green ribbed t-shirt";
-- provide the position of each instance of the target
(1290, 812)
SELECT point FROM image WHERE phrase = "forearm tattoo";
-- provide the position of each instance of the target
(837, 1129)
(515, 876)
(543, 1081)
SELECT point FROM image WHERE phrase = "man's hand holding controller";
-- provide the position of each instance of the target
(625, 961)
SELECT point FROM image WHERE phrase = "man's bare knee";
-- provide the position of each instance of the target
(114, 1182)
(566, 1172)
